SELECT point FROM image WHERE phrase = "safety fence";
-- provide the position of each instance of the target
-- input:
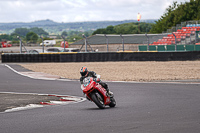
(102, 57)
(113, 43)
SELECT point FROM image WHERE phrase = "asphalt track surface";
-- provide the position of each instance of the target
(141, 108)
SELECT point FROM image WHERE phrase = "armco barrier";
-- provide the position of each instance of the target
(102, 57)
(197, 47)
(170, 47)
(180, 47)
(162, 48)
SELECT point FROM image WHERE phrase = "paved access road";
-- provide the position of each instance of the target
(141, 108)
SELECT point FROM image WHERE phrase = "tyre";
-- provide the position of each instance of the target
(113, 102)
(98, 100)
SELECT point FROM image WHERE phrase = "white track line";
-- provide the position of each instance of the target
(39, 77)
(19, 72)
(30, 106)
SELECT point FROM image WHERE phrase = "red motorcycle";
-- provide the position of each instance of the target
(96, 93)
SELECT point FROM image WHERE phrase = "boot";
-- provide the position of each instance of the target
(109, 93)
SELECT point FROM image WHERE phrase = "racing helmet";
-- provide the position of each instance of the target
(83, 71)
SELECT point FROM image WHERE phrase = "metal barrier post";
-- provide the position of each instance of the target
(64, 41)
(147, 42)
(122, 41)
(42, 44)
(20, 44)
(175, 42)
(106, 41)
(195, 37)
(85, 42)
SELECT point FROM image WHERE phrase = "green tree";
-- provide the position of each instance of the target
(74, 38)
(177, 13)
(39, 31)
(110, 30)
(21, 31)
(64, 33)
(31, 37)
(14, 38)
(99, 31)
(5, 37)
(86, 34)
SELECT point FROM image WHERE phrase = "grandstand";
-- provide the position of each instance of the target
(181, 36)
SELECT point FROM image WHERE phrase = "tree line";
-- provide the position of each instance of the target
(177, 13)
(32, 35)
(128, 28)
(28, 35)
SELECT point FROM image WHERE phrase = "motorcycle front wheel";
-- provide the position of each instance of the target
(98, 100)
(113, 102)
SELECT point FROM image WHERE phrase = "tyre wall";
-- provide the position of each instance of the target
(102, 57)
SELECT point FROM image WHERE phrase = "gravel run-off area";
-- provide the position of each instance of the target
(124, 71)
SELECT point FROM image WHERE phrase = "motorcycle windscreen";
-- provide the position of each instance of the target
(88, 84)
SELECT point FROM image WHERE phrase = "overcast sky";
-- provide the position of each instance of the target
(81, 10)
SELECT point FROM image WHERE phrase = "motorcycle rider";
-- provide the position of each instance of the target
(85, 73)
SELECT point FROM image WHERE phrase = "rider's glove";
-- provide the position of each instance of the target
(98, 78)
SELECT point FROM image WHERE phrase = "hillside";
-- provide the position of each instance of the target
(57, 28)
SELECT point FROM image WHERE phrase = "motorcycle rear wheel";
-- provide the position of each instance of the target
(98, 100)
